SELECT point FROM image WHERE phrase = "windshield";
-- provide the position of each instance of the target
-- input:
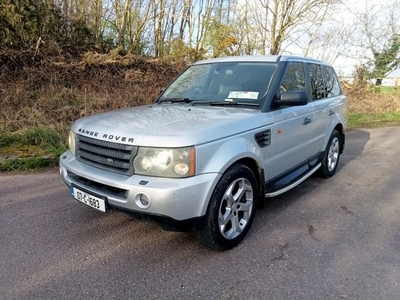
(239, 81)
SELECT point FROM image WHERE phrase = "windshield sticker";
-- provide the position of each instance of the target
(243, 95)
(233, 94)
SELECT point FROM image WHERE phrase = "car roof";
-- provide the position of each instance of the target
(259, 58)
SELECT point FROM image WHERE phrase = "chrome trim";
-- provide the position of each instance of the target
(294, 184)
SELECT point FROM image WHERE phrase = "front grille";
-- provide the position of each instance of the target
(106, 155)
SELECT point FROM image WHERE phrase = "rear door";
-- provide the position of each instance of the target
(326, 98)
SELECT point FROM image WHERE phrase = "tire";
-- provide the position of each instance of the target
(231, 210)
(331, 157)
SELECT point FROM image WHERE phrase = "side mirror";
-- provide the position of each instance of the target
(292, 98)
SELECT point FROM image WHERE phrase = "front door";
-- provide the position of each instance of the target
(292, 136)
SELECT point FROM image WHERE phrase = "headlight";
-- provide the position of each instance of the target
(165, 162)
(72, 142)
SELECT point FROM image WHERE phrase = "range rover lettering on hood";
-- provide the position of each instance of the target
(106, 136)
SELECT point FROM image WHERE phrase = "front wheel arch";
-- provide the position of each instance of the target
(259, 173)
(231, 209)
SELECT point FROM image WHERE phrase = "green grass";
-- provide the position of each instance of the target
(373, 120)
(388, 90)
(24, 164)
(6, 138)
(43, 137)
(29, 149)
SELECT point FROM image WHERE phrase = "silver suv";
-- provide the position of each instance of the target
(220, 138)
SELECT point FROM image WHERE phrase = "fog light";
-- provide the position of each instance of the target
(142, 200)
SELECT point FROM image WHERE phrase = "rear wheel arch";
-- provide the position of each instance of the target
(331, 155)
(339, 128)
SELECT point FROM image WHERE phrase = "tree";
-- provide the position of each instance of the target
(246, 29)
(221, 40)
(380, 34)
(277, 19)
(23, 22)
(386, 60)
(326, 40)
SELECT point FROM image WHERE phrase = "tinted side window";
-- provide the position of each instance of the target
(317, 81)
(332, 83)
(293, 79)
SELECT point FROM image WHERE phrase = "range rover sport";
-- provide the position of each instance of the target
(223, 136)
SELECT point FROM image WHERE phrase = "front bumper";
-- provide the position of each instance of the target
(174, 203)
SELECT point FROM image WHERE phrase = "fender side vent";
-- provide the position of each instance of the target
(263, 138)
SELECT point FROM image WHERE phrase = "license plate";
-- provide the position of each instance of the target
(88, 199)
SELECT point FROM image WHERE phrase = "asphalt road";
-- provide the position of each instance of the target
(326, 239)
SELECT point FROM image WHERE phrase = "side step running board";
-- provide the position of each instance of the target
(289, 187)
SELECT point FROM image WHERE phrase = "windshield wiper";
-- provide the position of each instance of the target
(233, 103)
(175, 100)
(213, 103)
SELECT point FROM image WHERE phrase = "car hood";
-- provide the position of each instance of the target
(169, 125)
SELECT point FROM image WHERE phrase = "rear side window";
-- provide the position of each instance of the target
(294, 78)
(317, 81)
(332, 83)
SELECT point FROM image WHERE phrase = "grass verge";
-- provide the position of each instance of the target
(30, 149)
(369, 120)
(25, 164)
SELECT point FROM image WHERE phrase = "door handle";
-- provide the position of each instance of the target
(331, 112)
(306, 121)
